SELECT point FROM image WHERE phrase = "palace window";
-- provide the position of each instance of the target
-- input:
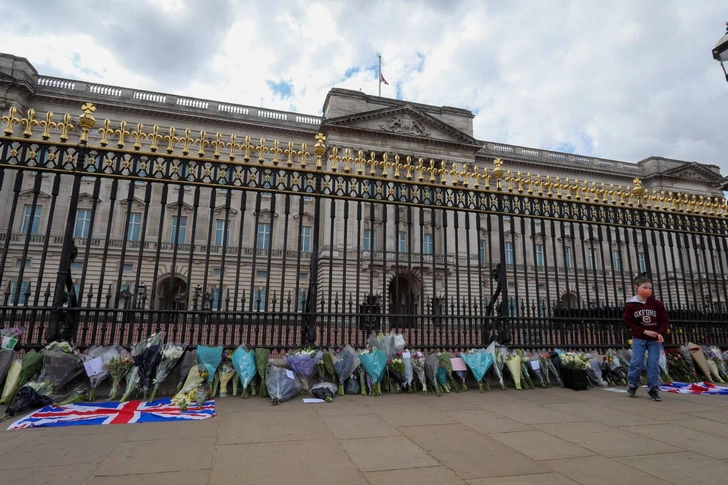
(428, 244)
(35, 223)
(222, 232)
(179, 230)
(263, 235)
(83, 223)
(306, 239)
(133, 230)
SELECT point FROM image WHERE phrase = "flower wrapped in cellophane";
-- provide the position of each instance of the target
(479, 362)
(383, 343)
(303, 362)
(513, 364)
(244, 362)
(209, 358)
(526, 380)
(261, 362)
(409, 371)
(96, 362)
(680, 369)
(418, 364)
(395, 369)
(282, 384)
(60, 368)
(431, 365)
(345, 364)
(613, 364)
(594, 369)
(21, 372)
(533, 366)
(227, 373)
(324, 390)
(715, 363)
(574, 360)
(445, 361)
(145, 356)
(118, 368)
(171, 354)
(460, 372)
(499, 361)
(374, 363)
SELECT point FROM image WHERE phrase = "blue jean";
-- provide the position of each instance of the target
(652, 347)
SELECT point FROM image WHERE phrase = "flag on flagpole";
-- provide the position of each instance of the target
(382, 80)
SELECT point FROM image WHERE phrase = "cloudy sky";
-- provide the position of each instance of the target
(619, 79)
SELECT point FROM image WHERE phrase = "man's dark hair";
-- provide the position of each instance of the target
(641, 279)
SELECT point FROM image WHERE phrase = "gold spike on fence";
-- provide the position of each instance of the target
(49, 128)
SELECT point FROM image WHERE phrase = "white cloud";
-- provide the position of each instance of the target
(620, 79)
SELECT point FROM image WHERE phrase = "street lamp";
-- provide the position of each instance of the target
(720, 51)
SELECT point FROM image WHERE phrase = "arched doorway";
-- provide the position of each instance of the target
(403, 290)
(171, 294)
(568, 301)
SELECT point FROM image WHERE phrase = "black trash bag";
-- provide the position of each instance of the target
(352, 386)
(27, 398)
(324, 390)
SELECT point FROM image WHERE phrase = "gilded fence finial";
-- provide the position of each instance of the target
(276, 151)
(261, 149)
(138, 135)
(29, 122)
(187, 140)
(247, 147)
(106, 131)
(334, 159)
(66, 126)
(289, 152)
(47, 124)
(232, 147)
(319, 149)
(303, 154)
(421, 169)
(498, 173)
(86, 121)
(171, 139)
(10, 120)
(202, 143)
(155, 138)
(217, 144)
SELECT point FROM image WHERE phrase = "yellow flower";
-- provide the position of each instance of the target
(629, 342)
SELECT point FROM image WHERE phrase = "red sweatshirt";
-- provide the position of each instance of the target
(648, 315)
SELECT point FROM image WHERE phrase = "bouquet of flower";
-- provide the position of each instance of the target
(195, 378)
(182, 400)
(209, 358)
(96, 360)
(118, 367)
(574, 360)
(460, 371)
(549, 367)
(327, 362)
(346, 363)
(226, 373)
(9, 338)
(6, 359)
(513, 364)
(244, 363)
(374, 363)
(59, 368)
(499, 361)
(445, 361)
(525, 374)
(479, 362)
(664, 371)
(614, 364)
(431, 366)
(282, 384)
(383, 343)
(395, 368)
(34, 394)
(696, 352)
(261, 362)
(409, 370)
(324, 390)
(594, 369)
(61, 346)
(418, 365)
(688, 356)
(718, 366)
(533, 365)
(145, 355)
(171, 354)
(680, 369)
(303, 362)
(187, 362)
(19, 376)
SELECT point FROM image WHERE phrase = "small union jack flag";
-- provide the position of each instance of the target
(88, 413)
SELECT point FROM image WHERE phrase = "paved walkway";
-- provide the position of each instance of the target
(551, 436)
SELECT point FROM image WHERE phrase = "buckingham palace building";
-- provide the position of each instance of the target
(127, 211)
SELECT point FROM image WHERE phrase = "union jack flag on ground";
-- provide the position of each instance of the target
(88, 413)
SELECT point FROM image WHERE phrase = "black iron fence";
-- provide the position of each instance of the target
(119, 232)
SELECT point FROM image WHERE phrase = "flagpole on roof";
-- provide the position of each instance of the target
(380, 76)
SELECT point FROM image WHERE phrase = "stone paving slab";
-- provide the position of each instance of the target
(545, 436)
